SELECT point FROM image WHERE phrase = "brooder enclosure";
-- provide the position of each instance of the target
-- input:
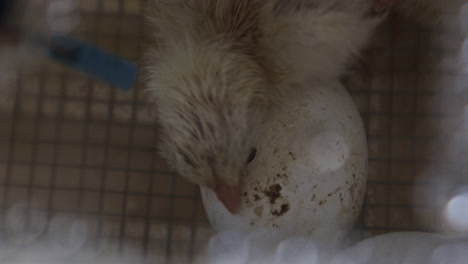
(79, 167)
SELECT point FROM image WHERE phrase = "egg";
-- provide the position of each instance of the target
(406, 248)
(308, 177)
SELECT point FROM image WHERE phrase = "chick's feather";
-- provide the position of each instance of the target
(215, 66)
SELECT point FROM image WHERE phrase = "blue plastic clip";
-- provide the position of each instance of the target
(93, 61)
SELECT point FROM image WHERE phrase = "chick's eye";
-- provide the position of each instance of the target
(253, 153)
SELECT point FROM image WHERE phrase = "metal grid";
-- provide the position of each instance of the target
(71, 146)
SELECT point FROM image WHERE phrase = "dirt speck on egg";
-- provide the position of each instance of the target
(293, 156)
(258, 211)
(273, 193)
(284, 209)
(256, 197)
(351, 190)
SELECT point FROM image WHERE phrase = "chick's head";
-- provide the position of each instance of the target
(208, 102)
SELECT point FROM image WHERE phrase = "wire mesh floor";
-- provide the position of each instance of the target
(73, 148)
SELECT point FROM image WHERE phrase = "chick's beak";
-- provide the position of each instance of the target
(229, 195)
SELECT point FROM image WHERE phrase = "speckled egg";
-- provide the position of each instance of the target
(310, 170)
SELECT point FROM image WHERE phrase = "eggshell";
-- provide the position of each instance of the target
(309, 174)
(406, 248)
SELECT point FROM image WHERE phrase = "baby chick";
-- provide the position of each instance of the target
(216, 66)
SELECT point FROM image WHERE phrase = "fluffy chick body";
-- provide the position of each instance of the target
(216, 66)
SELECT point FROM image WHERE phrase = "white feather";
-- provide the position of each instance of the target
(215, 67)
